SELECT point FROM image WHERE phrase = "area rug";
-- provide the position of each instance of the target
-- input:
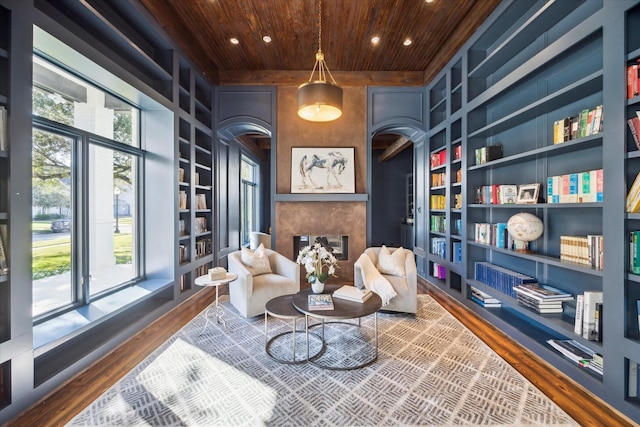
(430, 371)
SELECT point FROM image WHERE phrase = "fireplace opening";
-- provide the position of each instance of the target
(338, 245)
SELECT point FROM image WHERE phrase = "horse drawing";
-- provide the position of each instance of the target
(334, 163)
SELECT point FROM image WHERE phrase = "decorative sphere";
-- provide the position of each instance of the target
(525, 227)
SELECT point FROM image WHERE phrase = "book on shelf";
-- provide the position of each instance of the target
(439, 271)
(3, 128)
(577, 325)
(200, 224)
(182, 200)
(586, 250)
(582, 355)
(542, 292)
(634, 127)
(4, 267)
(578, 187)
(320, 302)
(180, 174)
(488, 153)
(438, 159)
(632, 81)
(591, 298)
(181, 228)
(632, 203)
(496, 194)
(457, 252)
(439, 246)
(597, 331)
(351, 293)
(484, 299)
(201, 201)
(633, 375)
(540, 306)
(500, 278)
(634, 252)
(638, 312)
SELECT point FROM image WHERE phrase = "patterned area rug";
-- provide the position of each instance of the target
(430, 371)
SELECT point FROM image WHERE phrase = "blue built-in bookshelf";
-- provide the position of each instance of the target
(531, 77)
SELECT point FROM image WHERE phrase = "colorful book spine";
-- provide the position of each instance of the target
(634, 252)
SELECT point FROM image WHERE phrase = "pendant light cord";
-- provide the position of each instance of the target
(320, 64)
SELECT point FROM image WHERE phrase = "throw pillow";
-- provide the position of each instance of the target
(257, 262)
(391, 263)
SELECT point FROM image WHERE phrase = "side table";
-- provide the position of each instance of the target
(282, 308)
(218, 309)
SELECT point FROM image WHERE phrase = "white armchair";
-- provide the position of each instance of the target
(257, 237)
(249, 293)
(406, 288)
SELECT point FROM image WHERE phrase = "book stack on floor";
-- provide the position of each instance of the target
(484, 299)
(351, 293)
(578, 353)
(541, 298)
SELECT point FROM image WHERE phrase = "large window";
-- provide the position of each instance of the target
(249, 173)
(85, 178)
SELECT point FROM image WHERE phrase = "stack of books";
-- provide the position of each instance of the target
(541, 298)
(578, 353)
(484, 299)
(351, 293)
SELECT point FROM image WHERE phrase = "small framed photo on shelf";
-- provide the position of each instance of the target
(528, 193)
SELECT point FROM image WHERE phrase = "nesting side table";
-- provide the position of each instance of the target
(217, 309)
(282, 308)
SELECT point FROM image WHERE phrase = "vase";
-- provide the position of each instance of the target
(317, 287)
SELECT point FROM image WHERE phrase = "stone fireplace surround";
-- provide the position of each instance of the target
(323, 218)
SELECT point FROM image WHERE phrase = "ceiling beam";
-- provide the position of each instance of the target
(247, 142)
(394, 149)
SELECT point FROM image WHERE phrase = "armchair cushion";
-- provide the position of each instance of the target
(405, 287)
(257, 262)
(391, 263)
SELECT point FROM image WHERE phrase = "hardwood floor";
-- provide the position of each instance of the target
(63, 404)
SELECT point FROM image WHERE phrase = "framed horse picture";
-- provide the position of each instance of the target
(323, 170)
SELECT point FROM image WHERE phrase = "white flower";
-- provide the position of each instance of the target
(316, 259)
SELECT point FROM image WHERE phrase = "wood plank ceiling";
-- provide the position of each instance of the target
(437, 29)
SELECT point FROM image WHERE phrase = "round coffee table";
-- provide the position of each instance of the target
(342, 310)
(282, 308)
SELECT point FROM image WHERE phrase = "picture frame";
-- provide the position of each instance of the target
(323, 170)
(528, 193)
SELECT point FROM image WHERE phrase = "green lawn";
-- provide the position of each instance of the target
(52, 257)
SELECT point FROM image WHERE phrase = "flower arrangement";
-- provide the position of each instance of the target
(318, 262)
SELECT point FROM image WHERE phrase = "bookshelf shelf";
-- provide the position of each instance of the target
(555, 149)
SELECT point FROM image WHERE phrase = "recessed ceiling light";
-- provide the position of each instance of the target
(407, 42)
(266, 39)
(375, 40)
(234, 40)
(429, 1)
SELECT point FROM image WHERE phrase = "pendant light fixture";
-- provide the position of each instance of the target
(319, 100)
